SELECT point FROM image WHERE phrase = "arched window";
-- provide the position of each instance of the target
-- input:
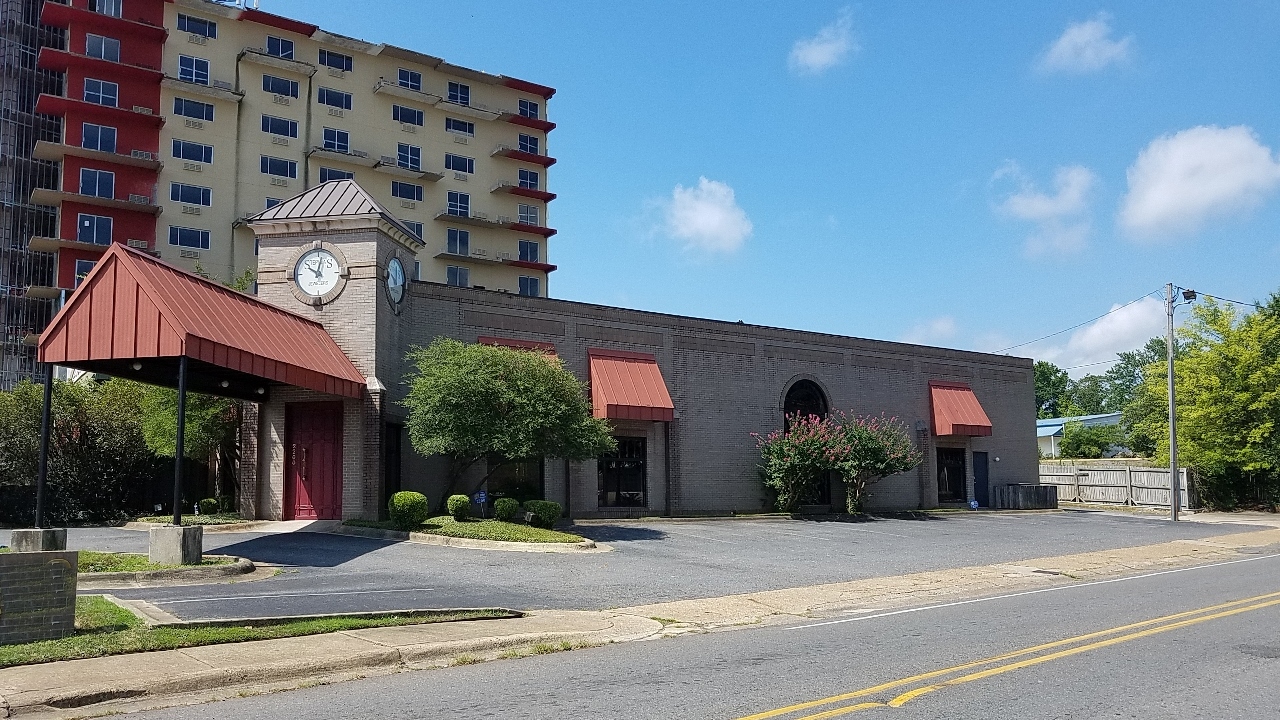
(806, 398)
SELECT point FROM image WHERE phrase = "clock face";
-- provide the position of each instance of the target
(316, 272)
(395, 280)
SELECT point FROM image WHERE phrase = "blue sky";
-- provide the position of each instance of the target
(972, 177)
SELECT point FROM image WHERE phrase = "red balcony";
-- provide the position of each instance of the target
(58, 152)
(506, 187)
(535, 123)
(532, 229)
(62, 61)
(60, 106)
(544, 267)
(509, 152)
(59, 15)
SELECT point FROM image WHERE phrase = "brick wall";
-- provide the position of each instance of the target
(37, 596)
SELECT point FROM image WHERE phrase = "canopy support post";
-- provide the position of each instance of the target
(43, 474)
(178, 440)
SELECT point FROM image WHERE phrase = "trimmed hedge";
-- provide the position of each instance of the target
(545, 512)
(209, 506)
(459, 507)
(408, 510)
(506, 509)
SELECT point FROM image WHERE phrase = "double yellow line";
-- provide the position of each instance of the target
(1000, 664)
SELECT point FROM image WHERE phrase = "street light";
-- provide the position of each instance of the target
(1175, 498)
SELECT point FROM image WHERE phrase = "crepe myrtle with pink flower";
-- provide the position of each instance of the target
(862, 449)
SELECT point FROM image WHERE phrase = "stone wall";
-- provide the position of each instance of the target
(37, 596)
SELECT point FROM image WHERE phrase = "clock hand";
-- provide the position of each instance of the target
(316, 270)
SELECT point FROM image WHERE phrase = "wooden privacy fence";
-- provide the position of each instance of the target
(1125, 485)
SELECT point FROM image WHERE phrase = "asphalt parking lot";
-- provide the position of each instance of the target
(652, 561)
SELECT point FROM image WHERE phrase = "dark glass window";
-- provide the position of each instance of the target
(337, 61)
(101, 92)
(459, 126)
(406, 191)
(459, 163)
(280, 47)
(334, 98)
(622, 474)
(459, 204)
(410, 79)
(327, 174)
(197, 26)
(279, 126)
(408, 115)
(337, 140)
(193, 69)
(95, 229)
(529, 144)
(189, 237)
(190, 194)
(409, 156)
(529, 179)
(98, 137)
(193, 109)
(279, 167)
(457, 276)
(530, 286)
(98, 183)
(194, 152)
(279, 86)
(103, 48)
(459, 242)
(459, 93)
(529, 109)
(529, 251)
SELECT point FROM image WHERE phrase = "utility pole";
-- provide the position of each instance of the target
(1174, 489)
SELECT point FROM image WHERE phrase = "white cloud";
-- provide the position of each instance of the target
(1124, 329)
(931, 332)
(1181, 180)
(1062, 219)
(707, 217)
(832, 44)
(1086, 47)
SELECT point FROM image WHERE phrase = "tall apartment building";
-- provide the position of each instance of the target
(167, 122)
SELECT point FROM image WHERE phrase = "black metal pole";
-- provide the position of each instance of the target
(43, 474)
(177, 443)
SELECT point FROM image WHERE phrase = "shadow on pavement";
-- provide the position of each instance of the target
(304, 548)
(617, 533)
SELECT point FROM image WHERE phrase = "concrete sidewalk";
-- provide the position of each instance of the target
(147, 680)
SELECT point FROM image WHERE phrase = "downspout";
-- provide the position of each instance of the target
(306, 146)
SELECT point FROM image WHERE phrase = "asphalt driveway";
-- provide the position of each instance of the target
(652, 561)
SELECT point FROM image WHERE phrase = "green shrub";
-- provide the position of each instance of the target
(459, 507)
(209, 506)
(506, 509)
(408, 510)
(545, 512)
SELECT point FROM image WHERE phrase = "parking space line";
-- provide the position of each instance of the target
(700, 537)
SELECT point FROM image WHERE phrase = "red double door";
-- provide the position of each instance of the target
(313, 466)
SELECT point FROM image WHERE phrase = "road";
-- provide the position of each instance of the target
(655, 561)
(1196, 643)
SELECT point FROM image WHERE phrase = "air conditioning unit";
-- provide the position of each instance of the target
(386, 160)
(140, 199)
(190, 210)
(193, 167)
(142, 154)
(409, 127)
(502, 148)
(408, 204)
(277, 140)
(480, 252)
(480, 215)
(462, 139)
(197, 39)
(193, 124)
(503, 219)
(143, 110)
(358, 153)
(460, 176)
(335, 72)
(504, 256)
(223, 85)
(280, 99)
(282, 182)
(190, 254)
(136, 243)
(336, 112)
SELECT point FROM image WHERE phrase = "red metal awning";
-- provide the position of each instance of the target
(134, 315)
(956, 410)
(628, 386)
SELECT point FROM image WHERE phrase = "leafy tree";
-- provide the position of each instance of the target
(1124, 377)
(210, 422)
(1051, 383)
(470, 402)
(1086, 396)
(1228, 379)
(1080, 441)
(875, 448)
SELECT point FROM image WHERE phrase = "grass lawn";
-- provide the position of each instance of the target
(476, 529)
(95, 562)
(218, 519)
(102, 628)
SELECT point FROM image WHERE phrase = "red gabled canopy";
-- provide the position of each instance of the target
(628, 386)
(134, 315)
(956, 410)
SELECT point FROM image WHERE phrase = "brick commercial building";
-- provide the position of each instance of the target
(162, 124)
(326, 438)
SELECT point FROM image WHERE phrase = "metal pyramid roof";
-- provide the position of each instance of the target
(333, 199)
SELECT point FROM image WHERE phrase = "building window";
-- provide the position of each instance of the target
(409, 156)
(529, 109)
(530, 286)
(529, 144)
(193, 109)
(459, 204)
(416, 227)
(622, 480)
(528, 214)
(271, 202)
(98, 183)
(417, 270)
(279, 126)
(406, 191)
(327, 174)
(410, 79)
(190, 194)
(279, 47)
(459, 93)
(103, 48)
(334, 98)
(337, 140)
(279, 86)
(461, 127)
(106, 7)
(101, 92)
(93, 229)
(337, 61)
(458, 163)
(406, 115)
(459, 242)
(529, 251)
(98, 137)
(457, 276)
(279, 167)
(195, 152)
(83, 268)
(529, 179)
(197, 26)
(193, 69)
(189, 237)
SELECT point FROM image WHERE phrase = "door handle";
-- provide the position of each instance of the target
(304, 463)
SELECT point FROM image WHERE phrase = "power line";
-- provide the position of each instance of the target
(1237, 302)
(1100, 362)
(1074, 327)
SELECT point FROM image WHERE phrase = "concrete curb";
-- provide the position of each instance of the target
(586, 546)
(241, 566)
(246, 526)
